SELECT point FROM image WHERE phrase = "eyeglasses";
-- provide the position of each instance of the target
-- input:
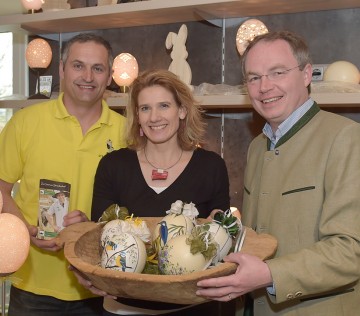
(272, 76)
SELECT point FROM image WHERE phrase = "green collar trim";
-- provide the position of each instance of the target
(297, 126)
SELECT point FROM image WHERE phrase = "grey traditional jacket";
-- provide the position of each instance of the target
(306, 193)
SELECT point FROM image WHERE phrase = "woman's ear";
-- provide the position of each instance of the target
(182, 112)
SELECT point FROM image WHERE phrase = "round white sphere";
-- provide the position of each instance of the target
(342, 71)
(176, 258)
(14, 243)
(123, 252)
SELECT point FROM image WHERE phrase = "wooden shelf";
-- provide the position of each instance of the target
(212, 102)
(241, 101)
(159, 12)
(153, 12)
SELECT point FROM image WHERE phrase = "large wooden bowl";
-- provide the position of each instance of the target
(82, 250)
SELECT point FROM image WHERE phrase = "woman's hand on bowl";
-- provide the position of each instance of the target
(87, 283)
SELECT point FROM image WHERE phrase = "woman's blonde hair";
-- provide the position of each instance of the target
(192, 127)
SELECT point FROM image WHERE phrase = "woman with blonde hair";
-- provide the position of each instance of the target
(162, 164)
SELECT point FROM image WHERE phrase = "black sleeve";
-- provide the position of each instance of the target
(103, 187)
(221, 197)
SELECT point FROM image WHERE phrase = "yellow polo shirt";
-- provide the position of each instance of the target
(44, 142)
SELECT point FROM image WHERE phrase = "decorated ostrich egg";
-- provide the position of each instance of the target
(223, 238)
(176, 258)
(113, 227)
(171, 226)
(342, 71)
(123, 252)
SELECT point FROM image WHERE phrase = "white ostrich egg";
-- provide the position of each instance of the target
(112, 227)
(123, 252)
(172, 225)
(175, 258)
(223, 238)
(342, 71)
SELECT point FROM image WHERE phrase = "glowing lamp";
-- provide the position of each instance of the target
(126, 70)
(38, 56)
(32, 4)
(14, 247)
(342, 71)
(247, 32)
(14, 242)
(38, 53)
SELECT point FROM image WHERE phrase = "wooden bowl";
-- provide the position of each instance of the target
(82, 250)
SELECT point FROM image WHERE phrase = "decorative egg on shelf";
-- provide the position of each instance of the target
(342, 71)
(123, 252)
(32, 4)
(187, 253)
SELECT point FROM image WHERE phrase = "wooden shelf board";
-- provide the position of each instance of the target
(241, 101)
(154, 12)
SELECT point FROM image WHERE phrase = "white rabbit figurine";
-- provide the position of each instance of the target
(179, 65)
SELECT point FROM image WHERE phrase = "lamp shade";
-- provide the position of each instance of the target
(32, 4)
(125, 69)
(14, 242)
(38, 53)
(247, 32)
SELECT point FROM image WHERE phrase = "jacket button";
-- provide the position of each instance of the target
(290, 296)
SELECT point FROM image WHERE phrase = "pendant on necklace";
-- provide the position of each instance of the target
(159, 174)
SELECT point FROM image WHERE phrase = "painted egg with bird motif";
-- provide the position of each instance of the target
(123, 252)
(176, 258)
(172, 225)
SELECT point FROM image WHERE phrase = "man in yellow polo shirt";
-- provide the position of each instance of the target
(59, 143)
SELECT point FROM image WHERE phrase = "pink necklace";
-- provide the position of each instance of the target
(160, 173)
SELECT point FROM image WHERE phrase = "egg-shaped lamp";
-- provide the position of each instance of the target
(126, 70)
(14, 243)
(38, 56)
(32, 4)
(247, 32)
(38, 53)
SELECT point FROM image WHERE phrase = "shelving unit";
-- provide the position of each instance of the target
(155, 12)
(160, 12)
